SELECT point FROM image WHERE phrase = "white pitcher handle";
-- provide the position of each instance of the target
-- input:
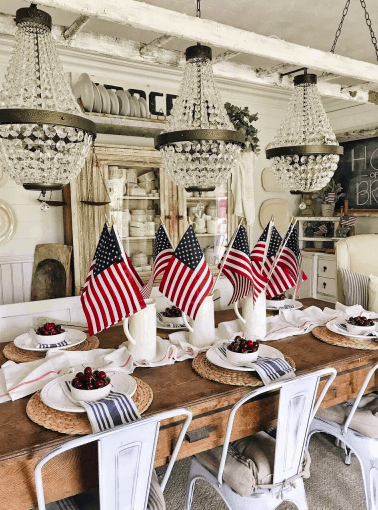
(186, 322)
(127, 332)
(238, 314)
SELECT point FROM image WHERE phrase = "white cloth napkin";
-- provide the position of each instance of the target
(20, 379)
(185, 350)
(242, 187)
(166, 354)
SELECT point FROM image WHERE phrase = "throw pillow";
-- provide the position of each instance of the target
(355, 288)
(373, 293)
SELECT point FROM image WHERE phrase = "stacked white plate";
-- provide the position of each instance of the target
(271, 304)
(28, 343)
(334, 326)
(265, 351)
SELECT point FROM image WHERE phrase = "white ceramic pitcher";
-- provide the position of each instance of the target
(253, 316)
(140, 330)
(202, 330)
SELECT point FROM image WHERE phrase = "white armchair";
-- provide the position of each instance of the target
(358, 254)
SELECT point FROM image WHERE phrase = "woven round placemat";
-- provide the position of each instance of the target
(78, 423)
(207, 370)
(325, 335)
(21, 355)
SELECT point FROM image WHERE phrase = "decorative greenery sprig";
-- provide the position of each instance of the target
(242, 120)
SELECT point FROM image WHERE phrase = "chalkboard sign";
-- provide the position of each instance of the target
(357, 173)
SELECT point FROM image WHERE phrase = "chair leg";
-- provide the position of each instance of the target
(190, 493)
(297, 495)
(369, 468)
(348, 455)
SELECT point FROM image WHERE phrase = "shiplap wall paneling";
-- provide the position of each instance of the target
(15, 281)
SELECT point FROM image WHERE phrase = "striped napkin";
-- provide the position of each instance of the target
(51, 346)
(269, 369)
(343, 329)
(118, 409)
(159, 318)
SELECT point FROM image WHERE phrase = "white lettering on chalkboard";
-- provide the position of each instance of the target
(360, 159)
(371, 159)
(367, 192)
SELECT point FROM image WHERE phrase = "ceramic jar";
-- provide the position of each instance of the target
(328, 210)
(150, 228)
(131, 176)
(139, 259)
(253, 318)
(150, 214)
(138, 215)
(149, 176)
(211, 210)
(211, 226)
(137, 229)
(202, 330)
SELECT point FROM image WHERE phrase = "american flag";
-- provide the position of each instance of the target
(238, 267)
(322, 229)
(348, 221)
(110, 293)
(162, 253)
(291, 259)
(280, 279)
(187, 280)
(330, 198)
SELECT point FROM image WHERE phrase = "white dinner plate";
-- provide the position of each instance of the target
(84, 91)
(27, 342)
(124, 103)
(331, 326)
(97, 106)
(53, 396)
(114, 104)
(7, 222)
(285, 302)
(277, 207)
(143, 107)
(105, 99)
(264, 350)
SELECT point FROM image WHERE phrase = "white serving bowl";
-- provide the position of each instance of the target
(91, 395)
(149, 176)
(50, 339)
(274, 303)
(241, 357)
(359, 330)
(172, 320)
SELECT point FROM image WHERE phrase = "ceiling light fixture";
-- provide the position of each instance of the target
(199, 144)
(44, 136)
(305, 151)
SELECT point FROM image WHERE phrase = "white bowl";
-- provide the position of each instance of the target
(91, 395)
(149, 176)
(50, 339)
(359, 330)
(172, 320)
(275, 303)
(241, 357)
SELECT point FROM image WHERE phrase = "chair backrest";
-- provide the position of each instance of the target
(358, 254)
(125, 461)
(297, 407)
(17, 318)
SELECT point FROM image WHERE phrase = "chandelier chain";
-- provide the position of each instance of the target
(198, 8)
(368, 23)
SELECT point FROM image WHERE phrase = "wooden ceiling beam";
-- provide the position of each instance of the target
(156, 43)
(148, 17)
(127, 50)
(77, 25)
(226, 55)
(280, 68)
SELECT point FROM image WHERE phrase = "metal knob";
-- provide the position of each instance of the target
(324, 285)
(325, 268)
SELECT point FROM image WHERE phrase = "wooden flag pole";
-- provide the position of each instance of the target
(225, 257)
(271, 225)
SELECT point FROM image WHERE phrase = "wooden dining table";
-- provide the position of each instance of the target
(23, 443)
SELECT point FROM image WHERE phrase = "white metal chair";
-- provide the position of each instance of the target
(364, 447)
(125, 461)
(297, 406)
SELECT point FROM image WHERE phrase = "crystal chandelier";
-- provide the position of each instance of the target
(199, 144)
(305, 151)
(44, 137)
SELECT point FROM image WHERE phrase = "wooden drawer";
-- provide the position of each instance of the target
(327, 286)
(327, 268)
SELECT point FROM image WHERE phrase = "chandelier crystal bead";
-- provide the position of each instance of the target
(44, 136)
(199, 144)
(305, 152)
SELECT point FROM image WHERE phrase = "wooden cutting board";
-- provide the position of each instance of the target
(52, 274)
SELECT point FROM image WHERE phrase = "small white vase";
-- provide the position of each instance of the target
(253, 318)
(140, 330)
(328, 210)
(202, 330)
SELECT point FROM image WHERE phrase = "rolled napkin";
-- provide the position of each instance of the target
(269, 369)
(20, 379)
(185, 350)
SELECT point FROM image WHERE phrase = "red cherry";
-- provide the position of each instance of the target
(88, 377)
(87, 370)
(99, 383)
(95, 373)
(49, 326)
(80, 375)
(89, 386)
(79, 385)
(54, 332)
(101, 375)
(75, 380)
